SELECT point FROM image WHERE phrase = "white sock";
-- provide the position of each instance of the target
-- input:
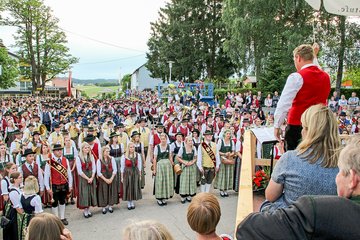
(62, 211)
(132, 204)
(129, 204)
(207, 187)
(203, 188)
(55, 211)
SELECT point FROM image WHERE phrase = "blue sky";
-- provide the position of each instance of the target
(108, 36)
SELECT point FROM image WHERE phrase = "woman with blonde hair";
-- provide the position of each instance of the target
(108, 188)
(309, 168)
(12, 209)
(46, 226)
(203, 215)
(146, 230)
(187, 157)
(70, 153)
(30, 202)
(86, 169)
(139, 148)
(5, 158)
(131, 175)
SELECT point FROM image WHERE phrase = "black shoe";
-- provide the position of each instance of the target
(65, 222)
(90, 214)
(72, 202)
(222, 194)
(183, 201)
(104, 211)
(226, 194)
(111, 210)
(188, 199)
(86, 216)
(129, 208)
(132, 207)
(160, 203)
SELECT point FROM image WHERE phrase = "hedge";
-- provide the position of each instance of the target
(222, 91)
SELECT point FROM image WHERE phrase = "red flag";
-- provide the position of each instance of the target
(69, 85)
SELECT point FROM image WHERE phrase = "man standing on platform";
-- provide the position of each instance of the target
(58, 181)
(308, 86)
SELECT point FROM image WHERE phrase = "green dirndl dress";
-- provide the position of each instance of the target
(225, 177)
(188, 175)
(138, 150)
(87, 192)
(164, 179)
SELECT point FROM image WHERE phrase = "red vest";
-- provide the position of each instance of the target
(171, 108)
(153, 111)
(156, 139)
(103, 168)
(86, 166)
(57, 178)
(315, 90)
(95, 151)
(128, 162)
(184, 130)
(26, 171)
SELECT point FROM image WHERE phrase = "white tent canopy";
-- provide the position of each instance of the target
(338, 7)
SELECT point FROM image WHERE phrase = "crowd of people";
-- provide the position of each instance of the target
(93, 153)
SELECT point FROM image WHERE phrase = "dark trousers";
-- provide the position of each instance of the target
(59, 194)
(292, 136)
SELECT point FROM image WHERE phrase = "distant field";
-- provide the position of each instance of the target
(92, 90)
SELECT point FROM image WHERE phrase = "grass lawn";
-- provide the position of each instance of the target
(92, 90)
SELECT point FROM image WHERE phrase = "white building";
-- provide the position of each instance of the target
(141, 79)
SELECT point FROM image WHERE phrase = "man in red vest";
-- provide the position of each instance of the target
(58, 181)
(310, 85)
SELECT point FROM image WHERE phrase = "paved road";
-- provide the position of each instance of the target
(173, 216)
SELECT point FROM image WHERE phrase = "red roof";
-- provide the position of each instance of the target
(60, 82)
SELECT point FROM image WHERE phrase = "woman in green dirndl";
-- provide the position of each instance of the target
(108, 188)
(225, 177)
(187, 157)
(131, 175)
(163, 171)
(116, 151)
(41, 160)
(86, 168)
(139, 148)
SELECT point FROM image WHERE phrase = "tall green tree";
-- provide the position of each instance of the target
(125, 82)
(41, 42)
(189, 33)
(262, 35)
(9, 70)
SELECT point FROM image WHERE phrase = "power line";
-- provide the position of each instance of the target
(102, 42)
(113, 60)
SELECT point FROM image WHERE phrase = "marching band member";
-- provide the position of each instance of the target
(155, 138)
(58, 181)
(35, 143)
(15, 147)
(145, 135)
(131, 175)
(31, 168)
(73, 128)
(94, 147)
(108, 131)
(224, 179)
(56, 137)
(27, 133)
(83, 134)
(208, 161)
(163, 171)
(173, 129)
(86, 169)
(123, 137)
(187, 157)
(183, 128)
(108, 188)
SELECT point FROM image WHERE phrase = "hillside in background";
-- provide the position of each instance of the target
(94, 81)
